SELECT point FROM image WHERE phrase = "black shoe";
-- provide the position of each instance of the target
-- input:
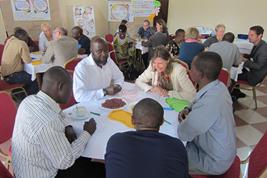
(238, 94)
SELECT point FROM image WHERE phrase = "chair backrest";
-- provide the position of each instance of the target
(4, 173)
(232, 172)
(71, 64)
(1, 52)
(224, 76)
(258, 158)
(109, 37)
(8, 112)
(112, 55)
(110, 47)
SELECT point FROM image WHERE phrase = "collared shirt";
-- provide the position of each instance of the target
(43, 42)
(145, 33)
(16, 52)
(89, 80)
(229, 53)
(209, 130)
(39, 144)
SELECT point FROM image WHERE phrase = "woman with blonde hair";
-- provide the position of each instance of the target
(166, 77)
(191, 47)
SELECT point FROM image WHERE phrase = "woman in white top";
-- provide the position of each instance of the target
(166, 77)
(45, 36)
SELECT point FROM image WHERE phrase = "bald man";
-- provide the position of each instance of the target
(97, 75)
(39, 144)
(146, 152)
(61, 49)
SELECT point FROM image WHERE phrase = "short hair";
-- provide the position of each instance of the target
(124, 21)
(258, 29)
(209, 64)
(98, 39)
(148, 113)
(192, 32)
(78, 29)
(219, 26)
(147, 21)
(179, 31)
(45, 25)
(56, 74)
(62, 30)
(122, 28)
(20, 33)
(161, 52)
(229, 36)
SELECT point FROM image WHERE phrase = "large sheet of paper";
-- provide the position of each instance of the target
(84, 17)
(25, 10)
(96, 147)
(120, 10)
(143, 8)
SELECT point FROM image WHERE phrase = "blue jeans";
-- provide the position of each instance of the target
(23, 77)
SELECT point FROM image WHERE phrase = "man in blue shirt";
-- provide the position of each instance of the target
(145, 31)
(83, 41)
(145, 152)
(208, 124)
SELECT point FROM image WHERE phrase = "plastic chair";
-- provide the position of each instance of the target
(71, 100)
(8, 112)
(250, 87)
(71, 64)
(109, 38)
(4, 171)
(224, 76)
(257, 161)
(232, 172)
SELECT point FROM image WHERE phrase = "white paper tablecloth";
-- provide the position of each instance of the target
(96, 147)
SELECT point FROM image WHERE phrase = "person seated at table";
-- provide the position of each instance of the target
(123, 46)
(146, 152)
(96, 75)
(16, 53)
(45, 36)
(191, 47)
(208, 125)
(228, 51)
(145, 31)
(83, 41)
(33, 46)
(42, 141)
(174, 45)
(219, 30)
(61, 49)
(166, 77)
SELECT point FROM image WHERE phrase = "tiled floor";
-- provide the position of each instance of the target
(250, 124)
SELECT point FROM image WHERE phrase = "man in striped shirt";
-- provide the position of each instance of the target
(40, 146)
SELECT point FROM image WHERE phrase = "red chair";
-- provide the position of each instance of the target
(257, 160)
(71, 100)
(71, 64)
(4, 173)
(249, 87)
(113, 56)
(110, 47)
(232, 172)
(8, 112)
(109, 38)
(224, 76)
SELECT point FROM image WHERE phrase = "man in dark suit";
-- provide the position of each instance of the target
(256, 62)
(146, 152)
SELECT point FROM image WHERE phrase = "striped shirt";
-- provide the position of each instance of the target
(39, 144)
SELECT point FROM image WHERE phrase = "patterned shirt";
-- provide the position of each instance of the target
(39, 144)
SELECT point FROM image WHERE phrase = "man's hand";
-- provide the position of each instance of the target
(70, 134)
(183, 114)
(90, 126)
(113, 89)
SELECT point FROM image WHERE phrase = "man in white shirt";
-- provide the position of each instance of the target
(41, 142)
(97, 75)
(45, 36)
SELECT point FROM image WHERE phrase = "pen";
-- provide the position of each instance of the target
(94, 113)
(167, 122)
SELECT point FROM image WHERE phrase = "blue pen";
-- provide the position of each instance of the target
(167, 108)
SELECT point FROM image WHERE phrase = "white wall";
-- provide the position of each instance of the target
(237, 15)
